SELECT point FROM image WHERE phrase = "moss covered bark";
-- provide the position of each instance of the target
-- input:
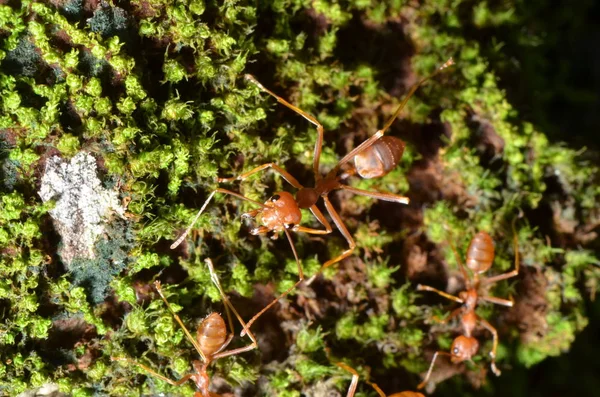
(154, 91)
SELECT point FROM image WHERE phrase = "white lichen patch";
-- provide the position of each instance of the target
(82, 204)
(47, 390)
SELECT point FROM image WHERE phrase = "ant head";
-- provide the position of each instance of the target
(281, 212)
(280, 199)
(306, 197)
(463, 348)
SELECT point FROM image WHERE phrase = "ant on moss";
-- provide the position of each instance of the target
(375, 157)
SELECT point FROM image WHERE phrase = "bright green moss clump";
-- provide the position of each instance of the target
(154, 91)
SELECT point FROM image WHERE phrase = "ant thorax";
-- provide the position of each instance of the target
(469, 298)
(281, 212)
(469, 321)
(307, 197)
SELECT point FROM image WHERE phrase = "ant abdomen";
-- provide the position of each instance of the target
(211, 334)
(480, 254)
(380, 158)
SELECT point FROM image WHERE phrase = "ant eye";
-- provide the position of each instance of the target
(455, 350)
(275, 197)
(289, 225)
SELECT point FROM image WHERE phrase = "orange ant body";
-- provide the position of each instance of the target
(354, 385)
(480, 256)
(210, 342)
(374, 157)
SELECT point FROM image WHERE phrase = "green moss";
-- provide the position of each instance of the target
(155, 91)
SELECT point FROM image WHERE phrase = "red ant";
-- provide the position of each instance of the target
(480, 256)
(375, 157)
(354, 385)
(210, 342)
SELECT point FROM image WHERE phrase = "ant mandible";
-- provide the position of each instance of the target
(480, 256)
(375, 157)
(354, 384)
(210, 342)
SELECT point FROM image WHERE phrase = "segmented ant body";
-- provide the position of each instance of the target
(480, 256)
(354, 385)
(210, 342)
(374, 157)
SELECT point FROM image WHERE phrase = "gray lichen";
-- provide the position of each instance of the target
(82, 204)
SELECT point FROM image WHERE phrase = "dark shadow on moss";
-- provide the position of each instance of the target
(547, 65)
(383, 47)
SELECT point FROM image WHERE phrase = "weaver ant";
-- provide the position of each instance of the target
(480, 256)
(375, 157)
(210, 342)
(354, 384)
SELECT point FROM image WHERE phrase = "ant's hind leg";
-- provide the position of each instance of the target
(513, 273)
(497, 301)
(428, 375)
(489, 327)
(310, 118)
(187, 333)
(396, 198)
(353, 382)
(371, 140)
(284, 174)
(342, 228)
(153, 372)
(229, 306)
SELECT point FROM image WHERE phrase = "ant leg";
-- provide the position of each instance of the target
(229, 306)
(310, 230)
(513, 273)
(499, 277)
(365, 145)
(435, 356)
(310, 118)
(342, 228)
(246, 328)
(421, 287)
(489, 327)
(445, 320)
(187, 333)
(217, 190)
(461, 265)
(154, 373)
(354, 382)
(378, 195)
(284, 174)
(377, 389)
(497, 301)
(412, 90)
(370, 141)
(319, 215)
